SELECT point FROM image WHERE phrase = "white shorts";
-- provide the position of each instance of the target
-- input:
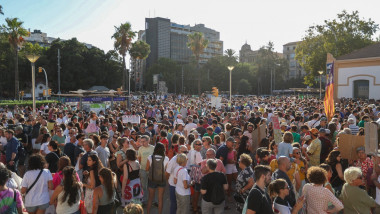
(231, 168)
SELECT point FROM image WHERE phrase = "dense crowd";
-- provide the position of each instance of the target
(64, 160)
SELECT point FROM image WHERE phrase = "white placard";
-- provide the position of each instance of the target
(131, 119)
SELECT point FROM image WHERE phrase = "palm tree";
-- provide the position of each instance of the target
(197, 43)
(123, 38)
(14, 31)
(1, 10)
(139, 51)
(230, 53)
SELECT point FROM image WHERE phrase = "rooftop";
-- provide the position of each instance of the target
(366, 52)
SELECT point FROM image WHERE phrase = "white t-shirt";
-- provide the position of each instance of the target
(189, 127)
(181, 176)
(39, 194)
(170, 169)
(44, 148)
(193, 158)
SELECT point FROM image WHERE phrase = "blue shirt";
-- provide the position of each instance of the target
(11, 147)
(284, 149)
(222, 152)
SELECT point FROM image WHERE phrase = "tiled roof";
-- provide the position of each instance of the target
(366, 52)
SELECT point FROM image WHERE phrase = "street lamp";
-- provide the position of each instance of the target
(320, 84)
(230, 68)
(33, 58)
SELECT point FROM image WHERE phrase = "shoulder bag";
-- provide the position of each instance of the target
(34, 182)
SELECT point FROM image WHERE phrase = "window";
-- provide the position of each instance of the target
(361, 89)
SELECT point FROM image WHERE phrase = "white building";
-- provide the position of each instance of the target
(39, 90)
(357, 75)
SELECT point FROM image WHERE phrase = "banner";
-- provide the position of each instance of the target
(329, 92)
(276, 130)
(131, 119)
(97, 107)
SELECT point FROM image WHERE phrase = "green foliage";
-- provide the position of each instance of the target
(11, 103)
(244, 87)
(338, 36)
(32, 49)
(123, 38)
(1, 10)
(139, 50)
(169, 71)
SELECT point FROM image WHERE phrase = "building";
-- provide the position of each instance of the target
(246, 54)
(357, 74)
(295, 70)
(169, 40)
(43, 40)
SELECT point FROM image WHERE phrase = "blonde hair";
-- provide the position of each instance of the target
(181, 158)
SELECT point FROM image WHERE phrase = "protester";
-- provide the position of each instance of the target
(355, 199)
(10, 199)
(182, 185)
(36, 184)
(105, 194)
(131, 183)
(91, 180)
(244, 181)
(53, 157)
(258, 200)
(143, 153)
(213, 186)
(337, 179)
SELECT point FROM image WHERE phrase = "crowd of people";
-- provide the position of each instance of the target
(68, 161)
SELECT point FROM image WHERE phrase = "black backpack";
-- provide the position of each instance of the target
(157, 170)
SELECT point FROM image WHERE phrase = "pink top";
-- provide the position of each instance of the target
(317, 199)
(219, 166)
(231, 155)
(57, 178)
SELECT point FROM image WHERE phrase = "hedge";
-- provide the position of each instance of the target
(12, 103)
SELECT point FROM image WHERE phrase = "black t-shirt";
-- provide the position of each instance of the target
(209, 181)
(259, 201)
(52, 159)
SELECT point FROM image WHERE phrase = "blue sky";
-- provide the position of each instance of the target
(257, 22)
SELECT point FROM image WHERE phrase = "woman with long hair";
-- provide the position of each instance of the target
(67, 195)
(93, 180)
(158, 157)
(131, 178)
(53, 157)
(15, 205)
(58, 176)
(243, 146)
(44, 150)
(37, 198)
(278, 190)
(337, 178)
(104, 194)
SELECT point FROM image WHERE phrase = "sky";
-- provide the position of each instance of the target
(239, 21)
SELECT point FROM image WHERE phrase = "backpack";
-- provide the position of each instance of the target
(157, 170)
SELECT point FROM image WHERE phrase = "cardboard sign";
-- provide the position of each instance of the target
(276, 123)
(131, 119)
(371, 138)
(348, 144)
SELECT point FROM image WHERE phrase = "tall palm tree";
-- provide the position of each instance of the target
(1, 10)
(123, 38)
(230, 53)
(139, 51)
(14, 31)
(197, 43)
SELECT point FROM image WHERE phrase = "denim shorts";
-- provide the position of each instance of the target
(154, 185)
(35, 208)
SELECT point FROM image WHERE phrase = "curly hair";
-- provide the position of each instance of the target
(36, 162)
(316, 175)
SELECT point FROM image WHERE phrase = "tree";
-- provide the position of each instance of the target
(244, 87)
(140, 50)
(14, 31)
(338, 36)
(123, 38)
(1, 10)
(197, 43)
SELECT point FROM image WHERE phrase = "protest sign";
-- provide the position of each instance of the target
(371, 138)
(276, 130)
(348, 144)
(131, 119)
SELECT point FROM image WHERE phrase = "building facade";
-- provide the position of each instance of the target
(357, 75)
(295, 70)
(246, 54)
(169, 40)
(43, 40)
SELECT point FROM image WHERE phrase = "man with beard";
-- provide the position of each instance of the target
(248, 133)
(258, 199)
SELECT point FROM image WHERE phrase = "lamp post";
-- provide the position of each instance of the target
(230, 68)
(33, 58)
(46, 80)
(320, 84)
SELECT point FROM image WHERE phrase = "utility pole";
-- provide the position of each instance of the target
(59, 72)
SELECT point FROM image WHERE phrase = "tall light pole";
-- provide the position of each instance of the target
(320, 84)
(33, 58)
(230, 68)
(40, 69)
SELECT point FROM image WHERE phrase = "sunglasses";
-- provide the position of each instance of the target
(185, 152)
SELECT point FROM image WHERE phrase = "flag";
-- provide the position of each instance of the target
(329, 92)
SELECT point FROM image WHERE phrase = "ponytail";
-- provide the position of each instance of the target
(275, 187)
